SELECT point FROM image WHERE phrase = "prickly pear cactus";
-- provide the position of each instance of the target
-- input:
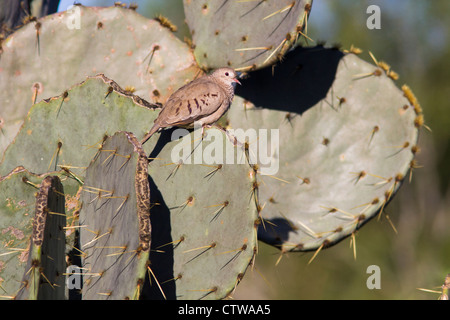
(71, 139)
(32, 221)
(347, 139)
(140, 54)
(115, 218)
(245, 35)
(204, 216)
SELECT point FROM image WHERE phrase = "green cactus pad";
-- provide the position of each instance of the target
(204, 215)
(347, 139)
(32, 220)
(66, 131)
(114, 220)
(44, 58)
(244, 35)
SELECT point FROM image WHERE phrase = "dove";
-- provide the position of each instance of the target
(203, 101)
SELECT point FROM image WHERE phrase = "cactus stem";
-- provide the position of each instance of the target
(150, 272)
(276, 178)
(288, 117)
(304, 181)
(71, 174)
(307, 230)
(413, 165)
(373, 58)
(36, 88)
(257, 5)
(13, 250)
(303, 34)
(105, 293)
(64, 96)
(209, 246)
(353, 244)
(376, 72)
(288, 7)
(218, 211)
(254, 48)
(212, 290)
(172, 173)
(176, 242)
(113, 153)
(38, 42)
(179, 276)
(119, 253)
(407, 92)
(366, 205)
(98, 145)
(385, 180)
(240, 249)
(391, 223)
(360, 174)
(25, 180)
(254, 191)
(211, 173)
(419, 121)
(189, 201)
(55, 155)
(232, 258)
(334, 209)
(166, 23)
(206, 248)
(97, 237)
(316, 253)
(108, 92)
(46, 279)
(57, 213)
(274, 51)
(354, 50)
(372, 134)
(126, 161)
(123, 202)
(151, 53)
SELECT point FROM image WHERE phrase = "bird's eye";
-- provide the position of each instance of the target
(227, 74)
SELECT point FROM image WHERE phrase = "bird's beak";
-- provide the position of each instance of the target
(237, 81)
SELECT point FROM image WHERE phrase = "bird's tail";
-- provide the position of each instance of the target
(151, 132)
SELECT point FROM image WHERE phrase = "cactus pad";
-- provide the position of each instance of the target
(32, 236)
(115, 221)
(204, 217)
(244, 35)
(46, 57)
(347, 139)
(65, 132)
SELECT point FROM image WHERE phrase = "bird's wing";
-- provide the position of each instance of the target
(192, 102)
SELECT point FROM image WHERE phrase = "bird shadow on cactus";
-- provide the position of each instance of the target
(161, 251)
(300, 81)
(164, 138)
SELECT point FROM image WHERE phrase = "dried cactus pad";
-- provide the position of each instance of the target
(244, 34)
(115, 220)
(342, 159)
(46, 57)
(32, 237)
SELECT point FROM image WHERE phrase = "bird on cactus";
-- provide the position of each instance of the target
(203, 101)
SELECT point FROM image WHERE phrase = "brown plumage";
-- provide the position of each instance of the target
(204, 101)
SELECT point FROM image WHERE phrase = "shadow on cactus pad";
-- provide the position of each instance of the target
(298, 83)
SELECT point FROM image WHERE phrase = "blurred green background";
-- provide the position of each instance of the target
(415, 40)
